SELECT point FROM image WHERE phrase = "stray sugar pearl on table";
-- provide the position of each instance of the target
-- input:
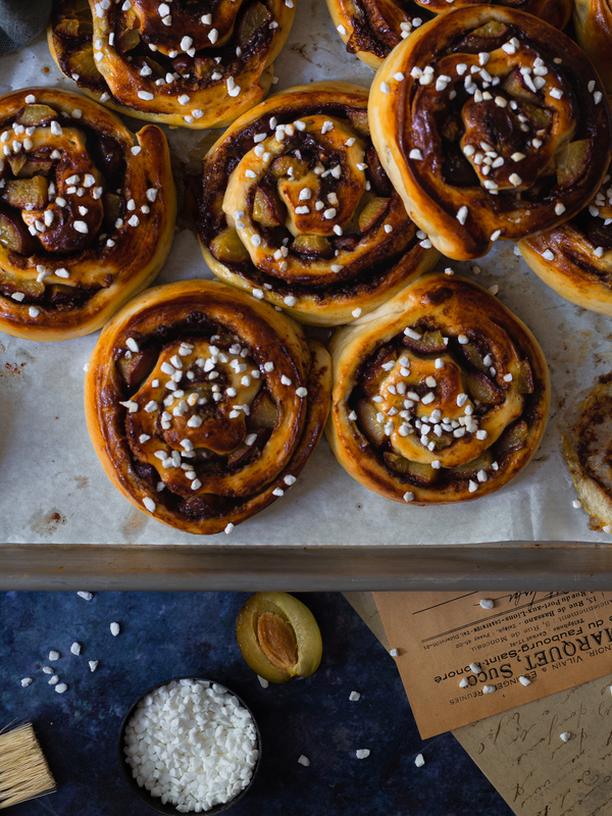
(354, 696)
(303, 760)
(419, 760)
(362, 753)
(394, 652)
(54, 655)
(61, 688)
(115, 629)
(263, 682)
(85, 595)
(93, 665)
(25, 682)
(75, 649)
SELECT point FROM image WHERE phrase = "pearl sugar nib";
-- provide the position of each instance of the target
(196, 732)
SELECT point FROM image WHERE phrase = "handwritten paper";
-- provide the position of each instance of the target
(522, 754)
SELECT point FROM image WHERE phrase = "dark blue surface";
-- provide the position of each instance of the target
(167, 635)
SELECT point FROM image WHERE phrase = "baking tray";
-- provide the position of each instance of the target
(63, 525)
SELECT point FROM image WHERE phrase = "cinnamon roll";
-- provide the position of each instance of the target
(575, 259)
(441, 395)
(296, 208)
(370, 29)
(491, 125)
(593, 24)
(183, 63)
(87, 212)
(204, 404)
(587, 447)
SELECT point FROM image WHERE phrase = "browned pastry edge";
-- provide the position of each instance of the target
(106, 266)
(586, 447)
(452, 306)
(370, 29)
(385, 263)
(593, 24)
(109, 52)
(462, 220)
(190, 310)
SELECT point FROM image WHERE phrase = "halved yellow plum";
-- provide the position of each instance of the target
(279, 637)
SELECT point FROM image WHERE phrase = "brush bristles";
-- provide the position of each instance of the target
(24, 773)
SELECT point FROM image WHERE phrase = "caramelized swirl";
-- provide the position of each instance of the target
(87, 213)
(203, 404)
(296, 208)
(491, 124)
(440, 395)
(575, 259)
(184, 63)
(593, 24)
(372, 28)
(587, 447)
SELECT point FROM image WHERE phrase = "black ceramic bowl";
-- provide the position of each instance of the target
(153, 801)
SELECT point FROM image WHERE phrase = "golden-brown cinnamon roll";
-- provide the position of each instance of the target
(593, 23)
(575, 259)
(87, 212)
(587, 447)
(492, 125)
(372, 28)
(296, 208)
(204, 404)
(183, 63)
(441, 395)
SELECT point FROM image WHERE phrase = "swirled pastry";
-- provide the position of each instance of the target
(491, 124)
(593, 24)
(87, 212)
(372, 28)
(441, 395)
(184, 63)
(296, 208)
(204, 404)
(587, 447)
(575, 259)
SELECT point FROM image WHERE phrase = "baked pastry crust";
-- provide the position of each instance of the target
(296, 208)
(441, 395)
(155, 421)
(370, 29)
(483, 133)
(575, 259)
(87, 213)
(185, 69)
(593, 24)
(587, 447)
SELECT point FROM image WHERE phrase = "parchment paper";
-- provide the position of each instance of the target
(52, 488)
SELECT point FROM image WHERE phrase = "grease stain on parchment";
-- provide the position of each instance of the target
(47, 523)
(133, 524)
